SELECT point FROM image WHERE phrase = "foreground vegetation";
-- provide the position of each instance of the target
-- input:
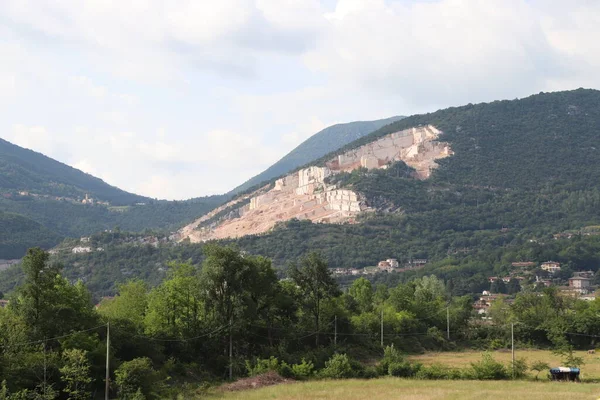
(234, 318)
(390, 388)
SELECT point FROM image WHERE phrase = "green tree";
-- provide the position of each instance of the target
(75, 374)
(37, 296)
(316, 285)
(429, 288)
(130, 304)
(47, 302)
(362, 292)
(175, 307)
(137, 375)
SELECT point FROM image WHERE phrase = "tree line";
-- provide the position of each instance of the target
(231, 316)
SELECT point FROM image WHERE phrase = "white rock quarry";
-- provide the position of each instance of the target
(305, 195)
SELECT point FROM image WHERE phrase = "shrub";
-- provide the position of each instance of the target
(304, 370)
(520, 368)
(390, 356)
(438, 372)
(285, 370)
(539, 366)
(338, 367)
(488, 369)
(496, 344)
(371, 372)
(403, 369)
(262, 366)
(135, 375)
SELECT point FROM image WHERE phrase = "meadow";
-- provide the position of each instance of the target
(407, 389)
(589, 371)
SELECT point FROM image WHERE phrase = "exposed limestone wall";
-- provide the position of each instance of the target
(305, 195)
(415, 146)
(310, 179)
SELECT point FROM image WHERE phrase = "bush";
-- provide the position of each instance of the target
(439, 372)
(285, 370)
(394, 363)
(520, 368)
(262, 366)
(338, 367)
(488, 369)
(137, 375)
(304, 370)
(371, 372)
(390, 356)
(403, 369)
(539, 366)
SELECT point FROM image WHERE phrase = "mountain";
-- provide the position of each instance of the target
(321, 143)
(467, 182)
(42, 202)
(26, 170)
(470, 189)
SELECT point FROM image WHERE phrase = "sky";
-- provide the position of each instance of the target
(175, 99)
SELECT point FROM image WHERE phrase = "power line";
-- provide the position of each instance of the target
(181, 340)
(54, 338)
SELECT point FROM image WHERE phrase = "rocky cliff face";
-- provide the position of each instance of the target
(306, 195)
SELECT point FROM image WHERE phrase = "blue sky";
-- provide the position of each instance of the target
(178, 99)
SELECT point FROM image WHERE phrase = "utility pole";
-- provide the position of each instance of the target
(448, 322)
(381, 328)
(335, 330)
(512, 339)
(231, 349)
(107, 378)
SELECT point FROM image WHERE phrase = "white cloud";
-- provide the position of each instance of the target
(183, 98)
(35, 138)
(449, 51)
(86, 85)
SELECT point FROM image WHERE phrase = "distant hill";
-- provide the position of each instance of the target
(19, 233)
(40, 204)
(321, 143)
(26, 170)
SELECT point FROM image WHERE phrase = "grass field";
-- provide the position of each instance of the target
(394, 388)
(412, 389)
(589, 371)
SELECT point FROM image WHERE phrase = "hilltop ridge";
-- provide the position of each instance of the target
(315, 147)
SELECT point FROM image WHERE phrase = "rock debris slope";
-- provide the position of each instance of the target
(306, 194)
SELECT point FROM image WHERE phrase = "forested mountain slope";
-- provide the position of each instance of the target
(544, 139)
(321, 143)
(19, 233)
(521, 171)
(26, 170)
(41, 203)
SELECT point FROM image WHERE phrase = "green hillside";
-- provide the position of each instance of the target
(321, 143)
(42, 197)
(18, 233)
(26, 170)
(523, 170)
(60, 219)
